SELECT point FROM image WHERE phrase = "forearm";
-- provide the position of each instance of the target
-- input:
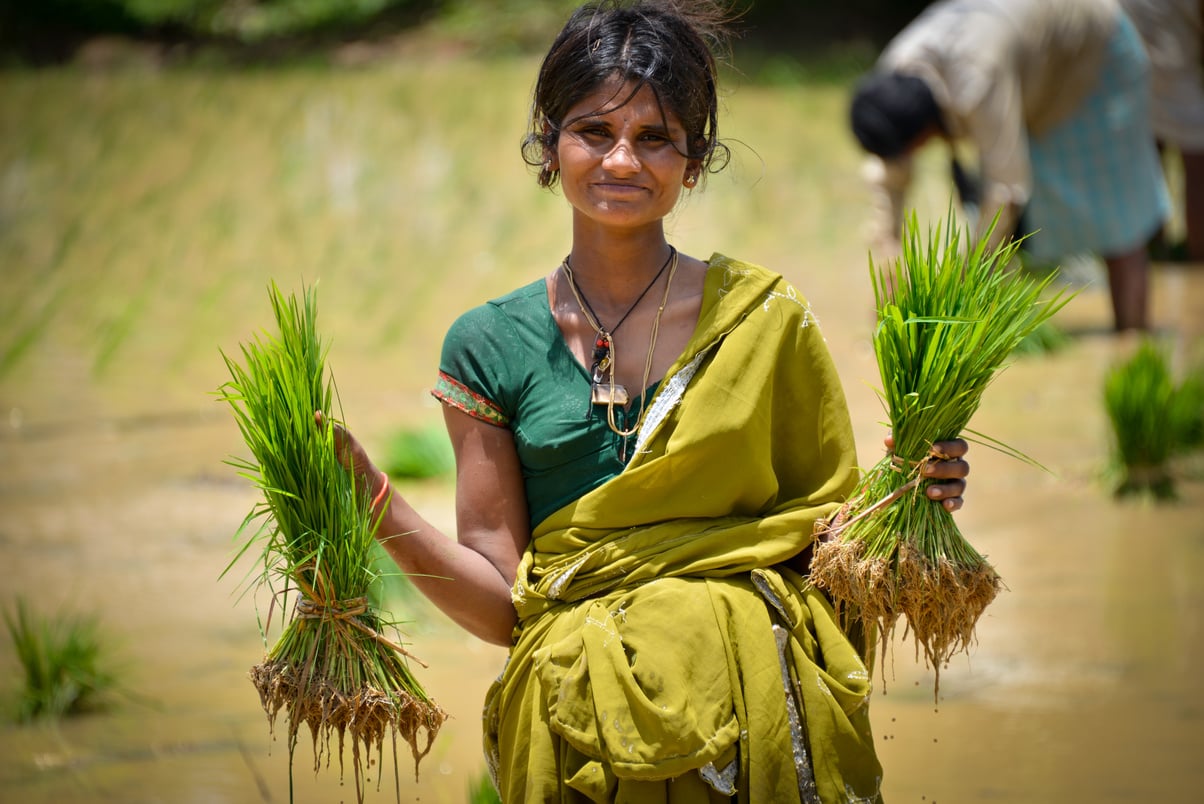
(888, 182)
(460, 581)
(998, 211)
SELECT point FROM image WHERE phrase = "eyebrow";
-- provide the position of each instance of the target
(599, 118)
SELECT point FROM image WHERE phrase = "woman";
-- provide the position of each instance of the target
(1054, 98)
(644, 441)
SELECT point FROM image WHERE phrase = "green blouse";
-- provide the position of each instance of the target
(506, 363)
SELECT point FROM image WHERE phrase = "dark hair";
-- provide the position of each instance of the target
(653, 43)
(890, 111)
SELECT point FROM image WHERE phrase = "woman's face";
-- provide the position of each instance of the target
(624, 167)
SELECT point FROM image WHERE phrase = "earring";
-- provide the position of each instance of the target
(690, 180)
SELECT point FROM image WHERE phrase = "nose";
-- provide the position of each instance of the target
(621, 159)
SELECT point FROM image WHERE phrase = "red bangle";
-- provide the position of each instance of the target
(384, 489)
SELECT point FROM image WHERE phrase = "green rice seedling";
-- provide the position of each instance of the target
(1152, 419)
(949, 315)
(1190, 400)
(62, 659)
(420, 453)
(332, 667)
(482, 790)
(394, 589)
(1045, 339)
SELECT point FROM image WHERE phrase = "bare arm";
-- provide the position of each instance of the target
(888, 182)
(469, 579)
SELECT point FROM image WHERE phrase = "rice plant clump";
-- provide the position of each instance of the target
(1190, 402)
(1152, 419)
(482, 790)
(332, 667)
(420, 453)
(62, 659)
(1045, 339)
(949, 315)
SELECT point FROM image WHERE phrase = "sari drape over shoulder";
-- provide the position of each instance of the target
(664, 651)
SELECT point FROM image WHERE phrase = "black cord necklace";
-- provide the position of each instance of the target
(603, 342)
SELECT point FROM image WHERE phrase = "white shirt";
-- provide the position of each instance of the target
(1000, 70)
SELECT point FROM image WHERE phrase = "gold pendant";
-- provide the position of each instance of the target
(601, 395)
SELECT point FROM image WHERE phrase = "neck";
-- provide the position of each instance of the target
(614, 277)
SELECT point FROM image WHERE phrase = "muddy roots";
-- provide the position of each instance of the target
(862, 589)
(941, 600)
(365, 717)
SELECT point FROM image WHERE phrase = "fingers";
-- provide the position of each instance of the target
(946, 489)
(954, 469)
(952, 504)
(950, 471)
(953, 448)
(947, 467)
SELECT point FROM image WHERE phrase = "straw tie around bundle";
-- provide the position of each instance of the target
(826, 530)
(347, 614)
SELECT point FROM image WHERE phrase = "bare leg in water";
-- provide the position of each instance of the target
(1129, 280)
(1193, 180)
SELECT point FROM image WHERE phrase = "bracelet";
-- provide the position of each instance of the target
(384, 490)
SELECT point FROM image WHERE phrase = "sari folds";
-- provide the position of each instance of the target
(665, 650)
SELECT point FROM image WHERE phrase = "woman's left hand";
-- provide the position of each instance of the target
(949, 472)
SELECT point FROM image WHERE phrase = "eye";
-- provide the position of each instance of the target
(595, 130)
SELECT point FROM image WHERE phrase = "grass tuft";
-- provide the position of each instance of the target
(62, 659)
(1153, 419)
(949, 315)
(1045, 339)
(420, 453)
(332, 668)
(482, 790)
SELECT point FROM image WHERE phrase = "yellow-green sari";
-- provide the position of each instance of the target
(664, 652)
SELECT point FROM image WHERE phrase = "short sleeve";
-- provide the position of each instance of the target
(473, 369)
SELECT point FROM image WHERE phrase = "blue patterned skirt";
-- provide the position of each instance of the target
(1098, 185)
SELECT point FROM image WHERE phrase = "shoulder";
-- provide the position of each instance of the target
(731, 273)
(737, 280)
(514, 302)
(500, 312)
(737, 290)
(535, 291)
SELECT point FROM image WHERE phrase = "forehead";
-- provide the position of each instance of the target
(615, 98)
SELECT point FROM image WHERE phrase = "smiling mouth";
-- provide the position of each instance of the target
(618, 187)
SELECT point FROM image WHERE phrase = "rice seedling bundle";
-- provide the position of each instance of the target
(63, 660)
(332, 668)
(949, 314)
(1152, 419)
(1191, 400)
